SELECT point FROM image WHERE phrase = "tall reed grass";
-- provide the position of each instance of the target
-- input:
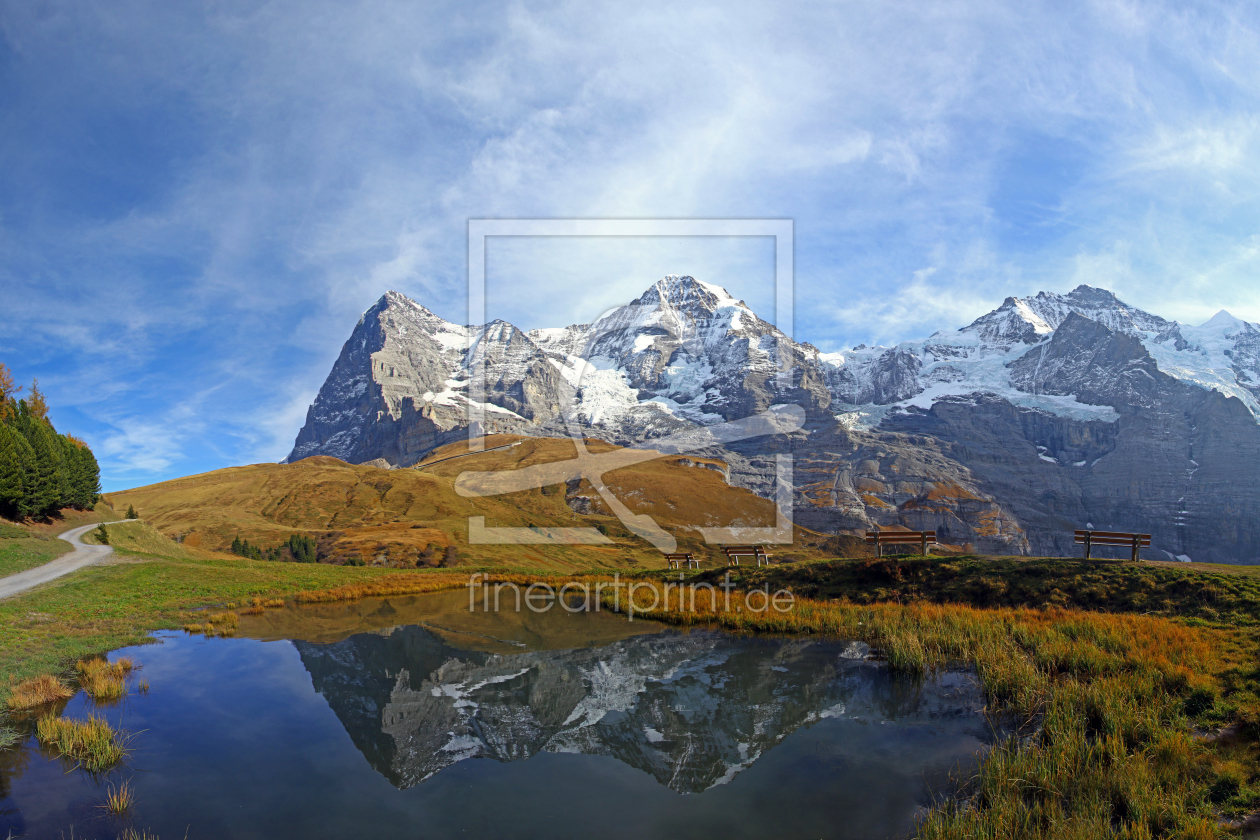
(134, 834)
(120, 800)
(92, 744)
(400, 584)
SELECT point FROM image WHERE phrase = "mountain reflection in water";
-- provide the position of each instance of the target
(692, 709)
(357, 720)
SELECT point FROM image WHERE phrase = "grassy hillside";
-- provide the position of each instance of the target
(389, 517)
(140, 538)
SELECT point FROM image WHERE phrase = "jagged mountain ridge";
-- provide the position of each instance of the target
(686, 353)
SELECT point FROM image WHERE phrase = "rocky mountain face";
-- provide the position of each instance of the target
(691, 710)
(1051, 413)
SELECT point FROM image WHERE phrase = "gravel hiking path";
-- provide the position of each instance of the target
(83, 555)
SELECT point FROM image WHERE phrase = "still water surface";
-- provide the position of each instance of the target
(412, 718)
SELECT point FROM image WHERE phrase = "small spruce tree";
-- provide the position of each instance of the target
(131, 512)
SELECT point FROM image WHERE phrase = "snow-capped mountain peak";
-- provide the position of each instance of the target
(1222, 354)
(1222, 321)
(1029, 320)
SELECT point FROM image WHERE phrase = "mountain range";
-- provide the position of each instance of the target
(1050, 413)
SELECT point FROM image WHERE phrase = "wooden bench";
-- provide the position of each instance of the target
(1093, 538)
(676, 560)
(734, 552)
(879, 539)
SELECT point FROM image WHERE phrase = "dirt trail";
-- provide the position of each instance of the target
(83, 555)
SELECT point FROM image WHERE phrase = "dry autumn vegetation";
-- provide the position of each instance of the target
(91, 744)
(363, 514)
(1137, 686)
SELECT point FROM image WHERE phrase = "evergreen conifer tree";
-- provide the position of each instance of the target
(90, 476)
(47, 489)
(40, 471)
(302, 548)
(17, 460)
(131, 512)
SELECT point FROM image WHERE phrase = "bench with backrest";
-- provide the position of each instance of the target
(879, 539)
(1092, 538)
(676, 560)
(734, 552)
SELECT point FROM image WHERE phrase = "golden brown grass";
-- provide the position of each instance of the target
(37, 691)
(102, 680)
(385, 585)
(216, 624)
(120, 800)
(92, 744)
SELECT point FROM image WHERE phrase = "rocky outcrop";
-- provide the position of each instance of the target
(849, 480)
(401, 386)
(888, 378)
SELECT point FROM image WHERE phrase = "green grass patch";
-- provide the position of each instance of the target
(10, 531)
(18, 555)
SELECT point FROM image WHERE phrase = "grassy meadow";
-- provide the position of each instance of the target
(18, 555)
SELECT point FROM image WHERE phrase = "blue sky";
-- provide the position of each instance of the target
(197, 200)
